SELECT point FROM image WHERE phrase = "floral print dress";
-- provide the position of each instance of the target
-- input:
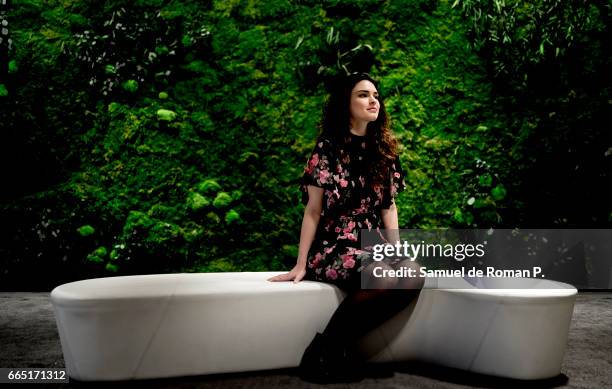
(350, 203)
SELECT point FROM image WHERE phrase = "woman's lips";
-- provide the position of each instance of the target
(372, 110)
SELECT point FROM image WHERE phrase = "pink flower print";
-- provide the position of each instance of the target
(331, 274)
(396, 175)
(348, 263)
(338, 229)
(363, 208)
(348, 236)
(328, 250)
(323, 176)
(314, 161)
(316, 260)
(350, 227)
(348, 260)
(351, 250)
(378, 190)
(343, 183)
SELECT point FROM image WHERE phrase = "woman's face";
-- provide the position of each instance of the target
(364, 102)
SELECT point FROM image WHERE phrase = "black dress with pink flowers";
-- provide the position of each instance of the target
(350, 203)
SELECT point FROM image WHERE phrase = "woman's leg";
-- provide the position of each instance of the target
(330, 357)
(362, 310)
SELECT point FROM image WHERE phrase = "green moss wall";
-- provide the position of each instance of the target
(167, 136)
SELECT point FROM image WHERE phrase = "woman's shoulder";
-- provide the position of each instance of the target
(326, 143)
(325, 139)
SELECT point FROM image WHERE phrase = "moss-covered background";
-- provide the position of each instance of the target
(169, 136)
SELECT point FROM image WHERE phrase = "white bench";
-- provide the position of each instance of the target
(166, 325)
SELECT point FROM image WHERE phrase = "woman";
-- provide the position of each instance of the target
(349, 183)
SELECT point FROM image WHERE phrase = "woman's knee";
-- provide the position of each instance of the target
(376, 276)
(412, 279)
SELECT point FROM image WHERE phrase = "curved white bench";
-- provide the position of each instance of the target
(165, 325)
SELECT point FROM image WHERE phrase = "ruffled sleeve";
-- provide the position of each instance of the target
(319, 169)
(396, 184)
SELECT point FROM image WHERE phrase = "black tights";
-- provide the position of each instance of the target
(363, 310)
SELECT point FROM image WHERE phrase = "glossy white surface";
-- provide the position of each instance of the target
(165, 325)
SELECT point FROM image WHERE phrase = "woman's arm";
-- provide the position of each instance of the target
(312, 214)
(310, 221)
(390, 221)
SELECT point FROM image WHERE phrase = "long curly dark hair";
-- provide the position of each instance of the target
(336, 124)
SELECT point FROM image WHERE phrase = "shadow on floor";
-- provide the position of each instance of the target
(376, 371)
(462, 377)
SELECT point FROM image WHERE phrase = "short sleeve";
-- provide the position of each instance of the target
(396, 184)
(318, 170)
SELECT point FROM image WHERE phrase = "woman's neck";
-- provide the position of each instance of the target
(358, 129)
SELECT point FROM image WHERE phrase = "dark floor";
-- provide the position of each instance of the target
(29, 338)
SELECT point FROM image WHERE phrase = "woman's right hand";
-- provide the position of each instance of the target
(296, 274)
